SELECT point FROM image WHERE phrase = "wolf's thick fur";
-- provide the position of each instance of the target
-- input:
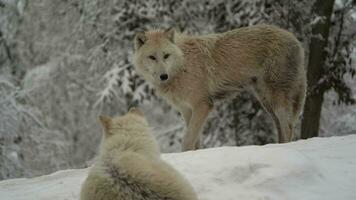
(129, 166)
(264, 59)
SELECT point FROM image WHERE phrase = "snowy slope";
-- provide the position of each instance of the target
(319, 168)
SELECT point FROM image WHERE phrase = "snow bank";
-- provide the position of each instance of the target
(319, 168)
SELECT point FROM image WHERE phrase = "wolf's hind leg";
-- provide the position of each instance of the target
(277, 122)
(276, 107)
(284, 116)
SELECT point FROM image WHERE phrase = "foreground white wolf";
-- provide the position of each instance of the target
(129, 166)
(193, 72)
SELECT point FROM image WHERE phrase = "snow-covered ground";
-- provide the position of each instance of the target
(319, 168)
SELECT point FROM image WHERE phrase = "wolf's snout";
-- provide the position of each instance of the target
(163, 77)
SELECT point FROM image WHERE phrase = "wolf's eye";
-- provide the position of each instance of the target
(152, 57)
(166, 55)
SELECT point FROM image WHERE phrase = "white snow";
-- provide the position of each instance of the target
(318, 168)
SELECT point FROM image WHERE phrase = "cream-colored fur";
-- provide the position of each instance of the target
(263, 59)
(129, 166)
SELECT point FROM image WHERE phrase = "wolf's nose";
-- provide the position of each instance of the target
(163, 77)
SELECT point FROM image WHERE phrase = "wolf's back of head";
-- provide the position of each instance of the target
(129, 132)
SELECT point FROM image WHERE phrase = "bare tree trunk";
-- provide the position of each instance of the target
(320, 33)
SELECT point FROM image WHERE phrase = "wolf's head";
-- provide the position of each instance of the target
(157, 57)
(128, 132)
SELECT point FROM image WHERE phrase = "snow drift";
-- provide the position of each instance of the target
(319, 168)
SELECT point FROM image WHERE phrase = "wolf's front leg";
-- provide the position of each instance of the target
(187, 115)
(199, 114)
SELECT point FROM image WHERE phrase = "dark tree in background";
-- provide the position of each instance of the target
(312, 108)
(329, 61)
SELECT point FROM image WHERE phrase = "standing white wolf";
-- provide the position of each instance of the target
(193, 72)
(129, 166)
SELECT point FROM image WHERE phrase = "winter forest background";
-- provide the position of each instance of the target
(62, 63)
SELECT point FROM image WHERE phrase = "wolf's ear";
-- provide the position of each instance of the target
(169, 33)
(105, 122)
(135, 110)
(140, 39)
